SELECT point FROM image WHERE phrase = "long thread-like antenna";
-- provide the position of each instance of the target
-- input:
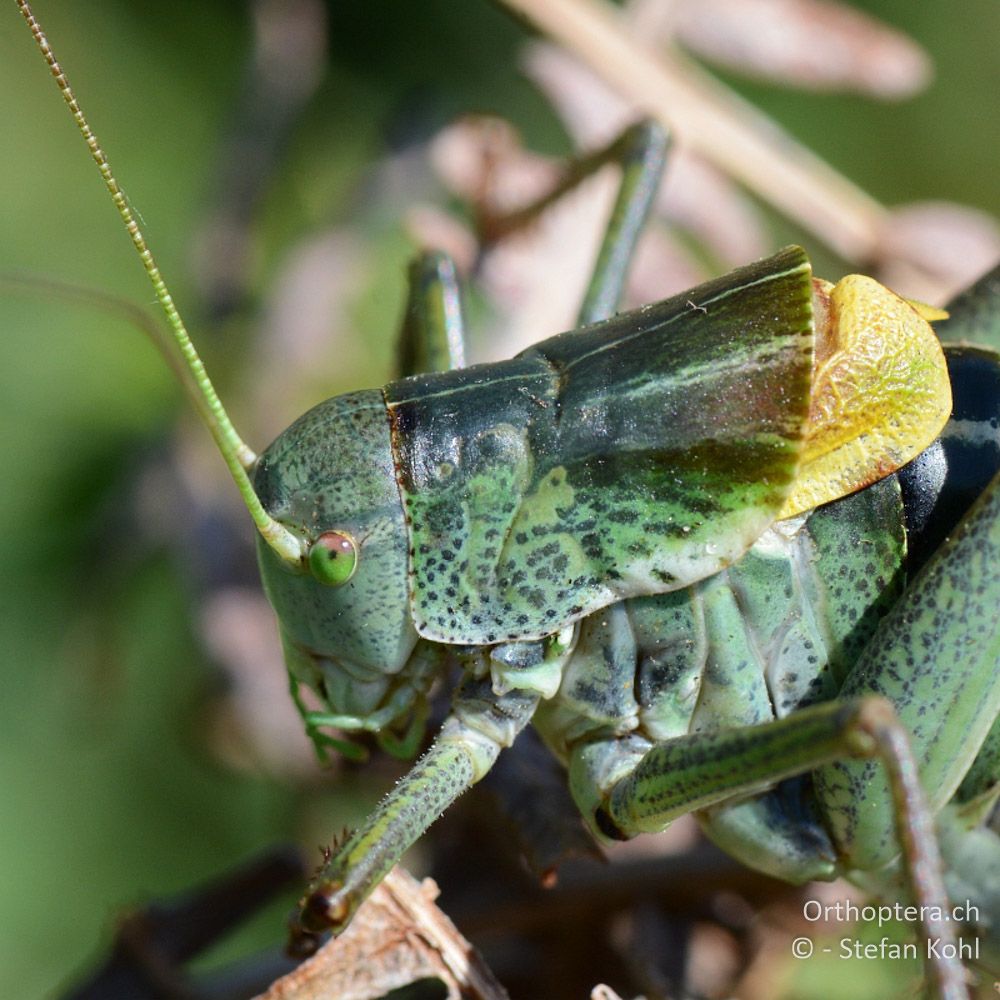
(237, 455)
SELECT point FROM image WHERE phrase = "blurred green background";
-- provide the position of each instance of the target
(106, 793)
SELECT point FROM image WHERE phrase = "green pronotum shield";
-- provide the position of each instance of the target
(630, 457)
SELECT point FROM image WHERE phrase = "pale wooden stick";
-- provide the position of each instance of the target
(716, 123)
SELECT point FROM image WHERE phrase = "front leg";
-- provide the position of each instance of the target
(480, 724)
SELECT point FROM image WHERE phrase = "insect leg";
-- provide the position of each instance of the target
(480, 724)
(640, 151)
(701, 769)
(432, 335)
(970, 846)
(407, 702)
(935, 656)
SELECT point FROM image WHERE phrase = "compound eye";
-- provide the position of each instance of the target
(333, 558)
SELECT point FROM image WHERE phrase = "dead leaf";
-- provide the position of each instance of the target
(253, 725)
(931, 250)
(695, 196)
(808, 44)
(398, 937)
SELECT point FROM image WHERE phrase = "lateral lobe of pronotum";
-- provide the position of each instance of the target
(633, 456)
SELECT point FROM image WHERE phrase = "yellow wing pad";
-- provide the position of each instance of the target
(880, 391)
(930, 313)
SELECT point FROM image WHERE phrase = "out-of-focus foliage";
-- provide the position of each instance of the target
(107, 790)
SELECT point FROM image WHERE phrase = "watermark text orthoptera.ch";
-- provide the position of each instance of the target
(845, 911)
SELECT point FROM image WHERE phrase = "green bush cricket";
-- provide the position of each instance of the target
(374, 601)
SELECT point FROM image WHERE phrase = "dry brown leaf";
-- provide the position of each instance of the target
(305, 331)
(434, 228)
(398, 937)
(809, 44)
(713, 121)
(714, 959)
(933, 249)
(481, 159)
(253, 724)
(695, 195)
(535, 277)
(742, 142)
